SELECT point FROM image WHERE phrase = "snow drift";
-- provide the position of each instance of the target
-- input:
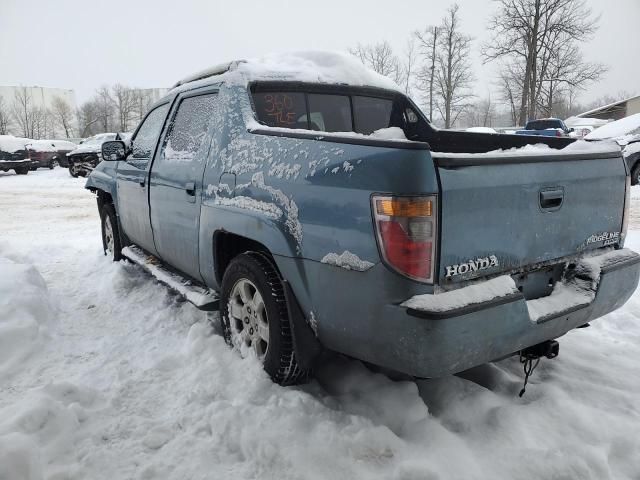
(25, 311)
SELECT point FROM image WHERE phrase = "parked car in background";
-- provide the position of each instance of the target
(62, 148)
(313, 203)
(626, 132)
(84, 158)
(14, 154)
(43, 153)
(546, 127)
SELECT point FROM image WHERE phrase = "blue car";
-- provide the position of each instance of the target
(311, 202)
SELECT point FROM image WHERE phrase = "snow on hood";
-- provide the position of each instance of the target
(10, 144)
(625, 126)
(93, 144)
(305, 66)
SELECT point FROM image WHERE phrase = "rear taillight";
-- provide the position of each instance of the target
(406, 228)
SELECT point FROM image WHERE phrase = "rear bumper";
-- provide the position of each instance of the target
(433, 345)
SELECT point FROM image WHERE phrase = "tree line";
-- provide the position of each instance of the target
(117, 108)
(536, 45)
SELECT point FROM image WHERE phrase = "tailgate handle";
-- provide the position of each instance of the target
(551, 199)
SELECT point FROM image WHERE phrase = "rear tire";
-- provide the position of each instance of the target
(254, 317)
(110, 233)
(22, 171)
(73, 171)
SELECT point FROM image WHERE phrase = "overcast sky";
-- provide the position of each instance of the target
(82, 44)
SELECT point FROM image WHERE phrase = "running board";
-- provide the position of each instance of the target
(202, 298)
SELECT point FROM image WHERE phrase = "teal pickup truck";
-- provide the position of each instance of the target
(311, 202)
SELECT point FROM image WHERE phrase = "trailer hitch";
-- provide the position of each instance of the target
(530, 358)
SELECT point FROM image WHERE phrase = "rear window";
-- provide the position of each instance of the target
(543, 124)
(323, 112)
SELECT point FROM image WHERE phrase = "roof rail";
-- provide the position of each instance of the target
(209, 72)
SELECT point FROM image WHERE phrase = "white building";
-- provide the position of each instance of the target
(40, 96)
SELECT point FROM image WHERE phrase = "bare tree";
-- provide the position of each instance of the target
(22, 112)
(63, 114)
(525, 34)
(4, 117)
(410, 60)
(124, 101)
(453, 75)
(142, 102)
(427, 47)
(104, 108)
(380, 58)
(565, 73)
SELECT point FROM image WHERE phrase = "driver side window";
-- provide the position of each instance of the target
(146, 138)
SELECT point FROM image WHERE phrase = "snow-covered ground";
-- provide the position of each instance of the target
(106, 375)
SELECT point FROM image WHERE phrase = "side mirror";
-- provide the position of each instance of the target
(113, 151)
(572, 129)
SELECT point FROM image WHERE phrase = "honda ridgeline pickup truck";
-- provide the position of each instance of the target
(312, 203)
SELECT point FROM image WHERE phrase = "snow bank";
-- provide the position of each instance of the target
(477, 293)
(137, 385)
(347, 260)
(619, 128)
(25, 310)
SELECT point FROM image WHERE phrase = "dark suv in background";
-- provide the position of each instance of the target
(14, 155)
(84, 158)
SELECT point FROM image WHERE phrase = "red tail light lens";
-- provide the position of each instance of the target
(406, 230)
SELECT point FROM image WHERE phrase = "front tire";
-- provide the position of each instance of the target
(110, 233)
(22, 171)
(254, 317)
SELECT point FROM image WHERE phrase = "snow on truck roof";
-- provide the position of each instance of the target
(309, 66)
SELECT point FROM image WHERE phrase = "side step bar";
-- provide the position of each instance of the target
(203, 298)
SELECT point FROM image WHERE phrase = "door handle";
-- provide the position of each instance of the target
(142, 182)
(190, 188)
(551, 199)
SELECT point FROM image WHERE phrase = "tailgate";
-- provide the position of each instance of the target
(506, 213)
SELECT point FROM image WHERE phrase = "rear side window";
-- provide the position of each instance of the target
(371, 114)
(329, 113)
(189, 127)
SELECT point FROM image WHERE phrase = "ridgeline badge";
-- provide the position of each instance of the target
(472, 266)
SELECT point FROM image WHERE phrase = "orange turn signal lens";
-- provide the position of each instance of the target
(404, 207)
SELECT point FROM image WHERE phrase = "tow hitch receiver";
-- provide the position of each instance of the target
(530, 358)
